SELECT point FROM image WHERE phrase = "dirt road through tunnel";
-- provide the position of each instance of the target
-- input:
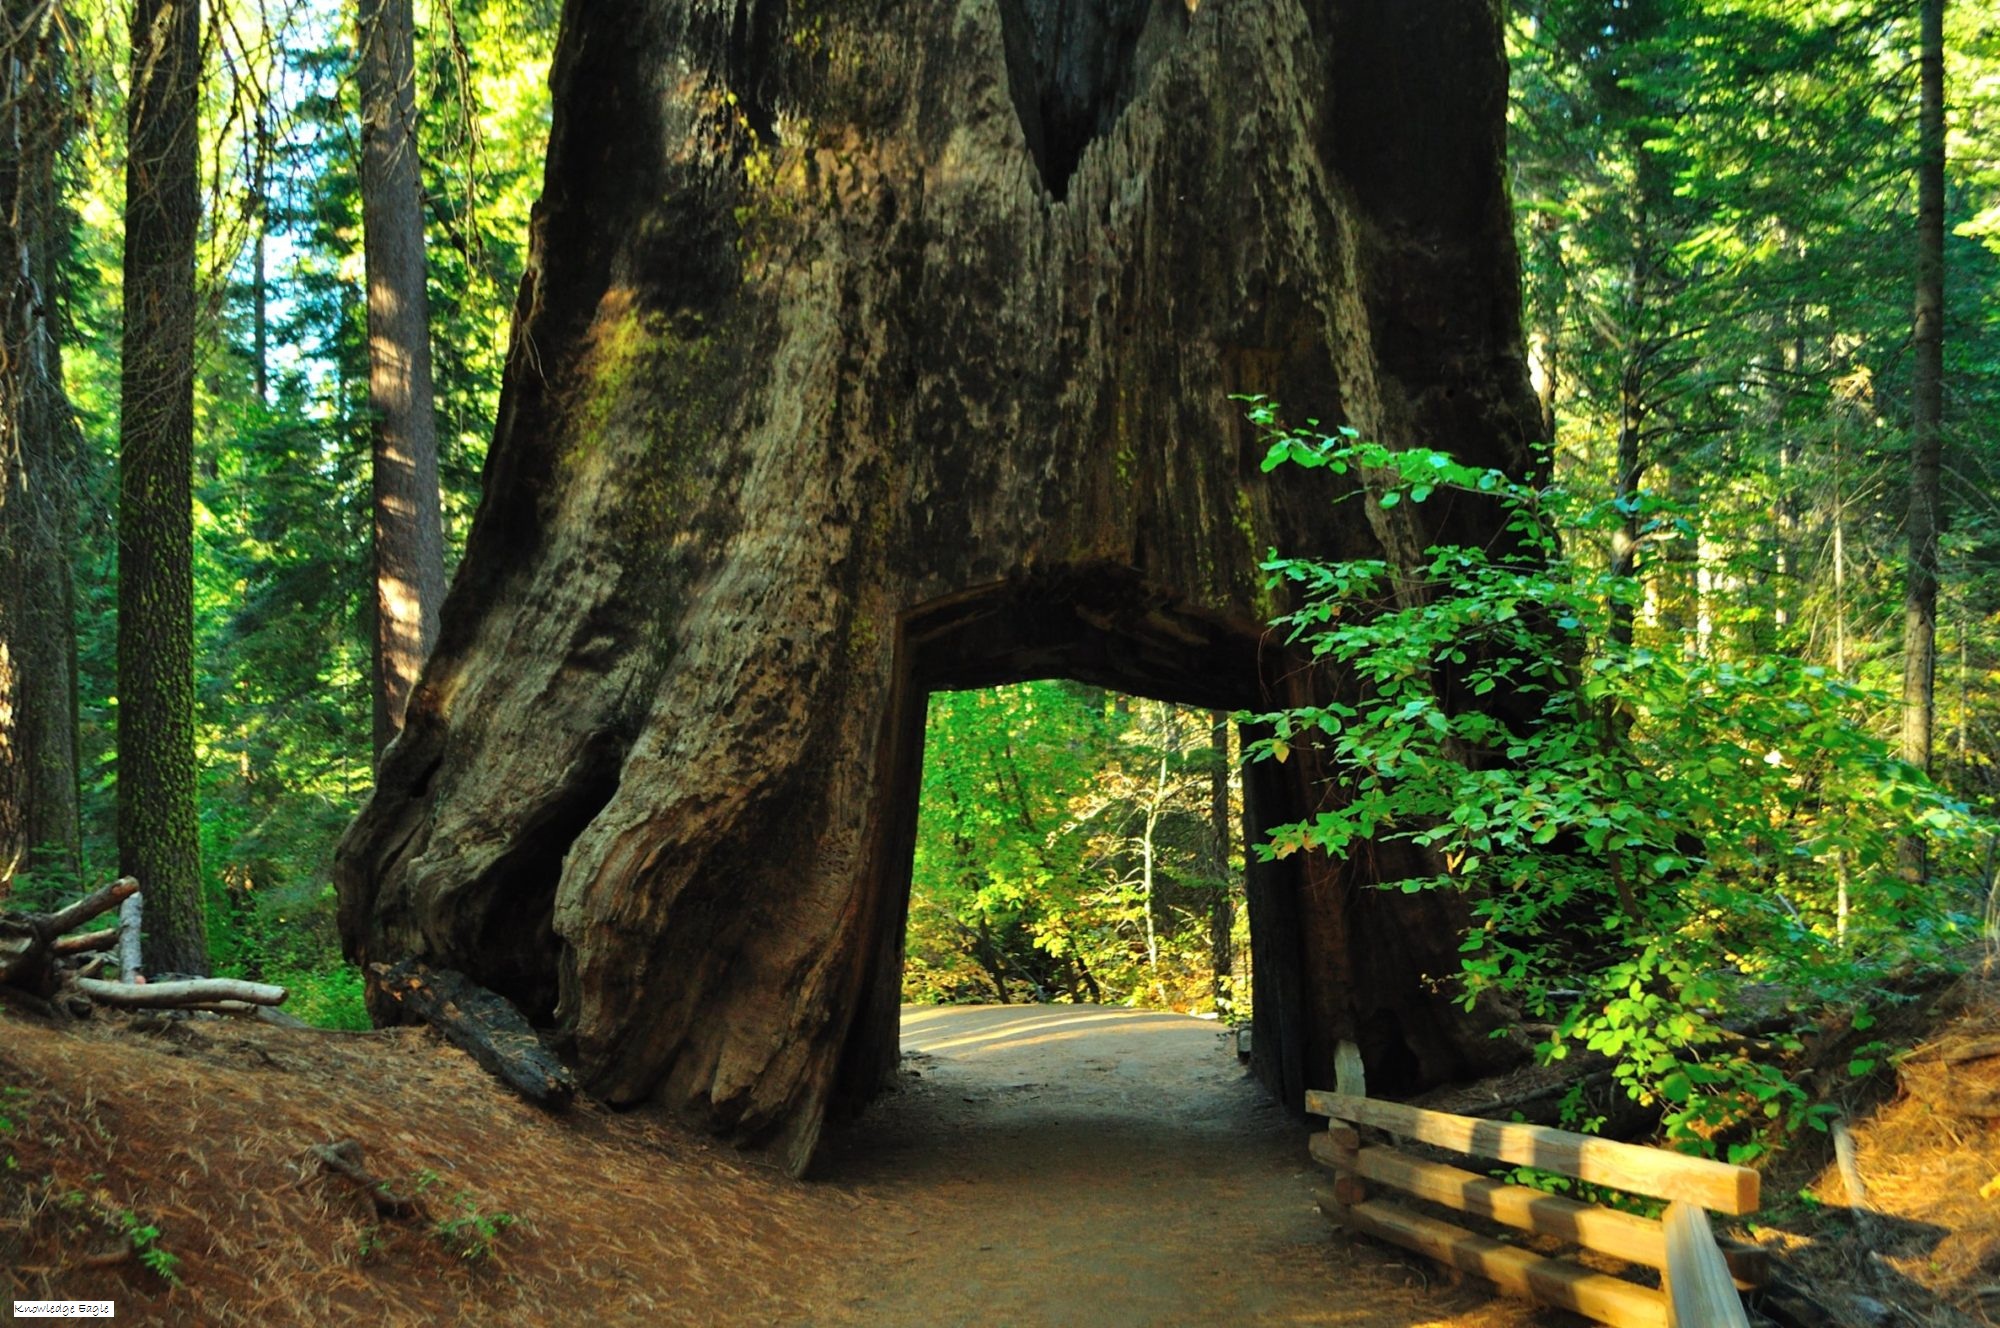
(1076, 1164)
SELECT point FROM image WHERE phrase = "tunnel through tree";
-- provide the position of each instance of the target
(831, 389)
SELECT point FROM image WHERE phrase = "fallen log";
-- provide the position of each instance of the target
(98, 901)
(178, 995)
(27, 955)
(484, 1025)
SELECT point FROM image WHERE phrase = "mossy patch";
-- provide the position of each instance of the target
(1263, 600)
(646, 421)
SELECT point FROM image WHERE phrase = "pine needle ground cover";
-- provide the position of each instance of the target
(205, 1133)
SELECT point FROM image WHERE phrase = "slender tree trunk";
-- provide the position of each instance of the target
(1926, 441)
(409, 531)
(1631, 469)
(158, 831)
(1222, 908)
(1839, 559)
(39, 825)
(260, 281)
(1842, 901)
(1146, 884)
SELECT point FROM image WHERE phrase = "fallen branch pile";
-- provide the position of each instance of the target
(41, 959)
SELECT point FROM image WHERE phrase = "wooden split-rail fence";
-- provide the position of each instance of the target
(1699, 1281)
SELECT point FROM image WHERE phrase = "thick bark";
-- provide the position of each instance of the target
(39, 825)
(895, 354)
(1926, 435)
(158, 835)
(409, 529)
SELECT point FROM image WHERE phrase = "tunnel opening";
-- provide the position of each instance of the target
(1077, 844)
(1100, 629)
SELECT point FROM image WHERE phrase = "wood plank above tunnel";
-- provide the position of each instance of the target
(808, 360)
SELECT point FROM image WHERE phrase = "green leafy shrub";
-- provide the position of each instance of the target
(469, 1232)
(13, 1102)
(1639, 828)
(330, 996)
(145, 1240)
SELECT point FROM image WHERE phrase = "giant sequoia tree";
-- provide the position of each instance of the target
(889, 350)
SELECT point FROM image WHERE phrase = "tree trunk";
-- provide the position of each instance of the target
(409, 529)
(1631, 460)
(260, 277)
(891, 354)
(39, 825)
(1920, 594)
(158, 835)
(1222, 908)
(1927, 403)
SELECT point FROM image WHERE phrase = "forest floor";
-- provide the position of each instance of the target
(1037, 1165)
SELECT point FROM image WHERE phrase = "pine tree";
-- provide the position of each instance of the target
(409, 534)
(39, 824)
(158, 827)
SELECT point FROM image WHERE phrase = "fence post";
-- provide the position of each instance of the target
(1700, 1292)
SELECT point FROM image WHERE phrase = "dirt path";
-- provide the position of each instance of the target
(1040, 1167)
(1057, 1165)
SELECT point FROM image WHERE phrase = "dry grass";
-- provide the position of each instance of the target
(1927, 1150)
(204, 1131)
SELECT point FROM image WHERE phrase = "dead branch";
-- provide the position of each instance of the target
(88, 907)
(86, 942)
(28, 951)
(343, 1159)
(179, 995)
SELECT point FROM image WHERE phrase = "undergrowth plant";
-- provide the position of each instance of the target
(145, 1241)
(1639, 828)
(12, 1101)
(470, 1232)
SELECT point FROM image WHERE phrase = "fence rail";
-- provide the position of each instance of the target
(1700, 1279)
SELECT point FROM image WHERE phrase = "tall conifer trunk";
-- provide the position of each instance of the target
(158, 829)
(39, 825)
(409, 530)
(1927, 412)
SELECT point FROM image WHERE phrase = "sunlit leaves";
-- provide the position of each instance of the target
(1627, 822)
